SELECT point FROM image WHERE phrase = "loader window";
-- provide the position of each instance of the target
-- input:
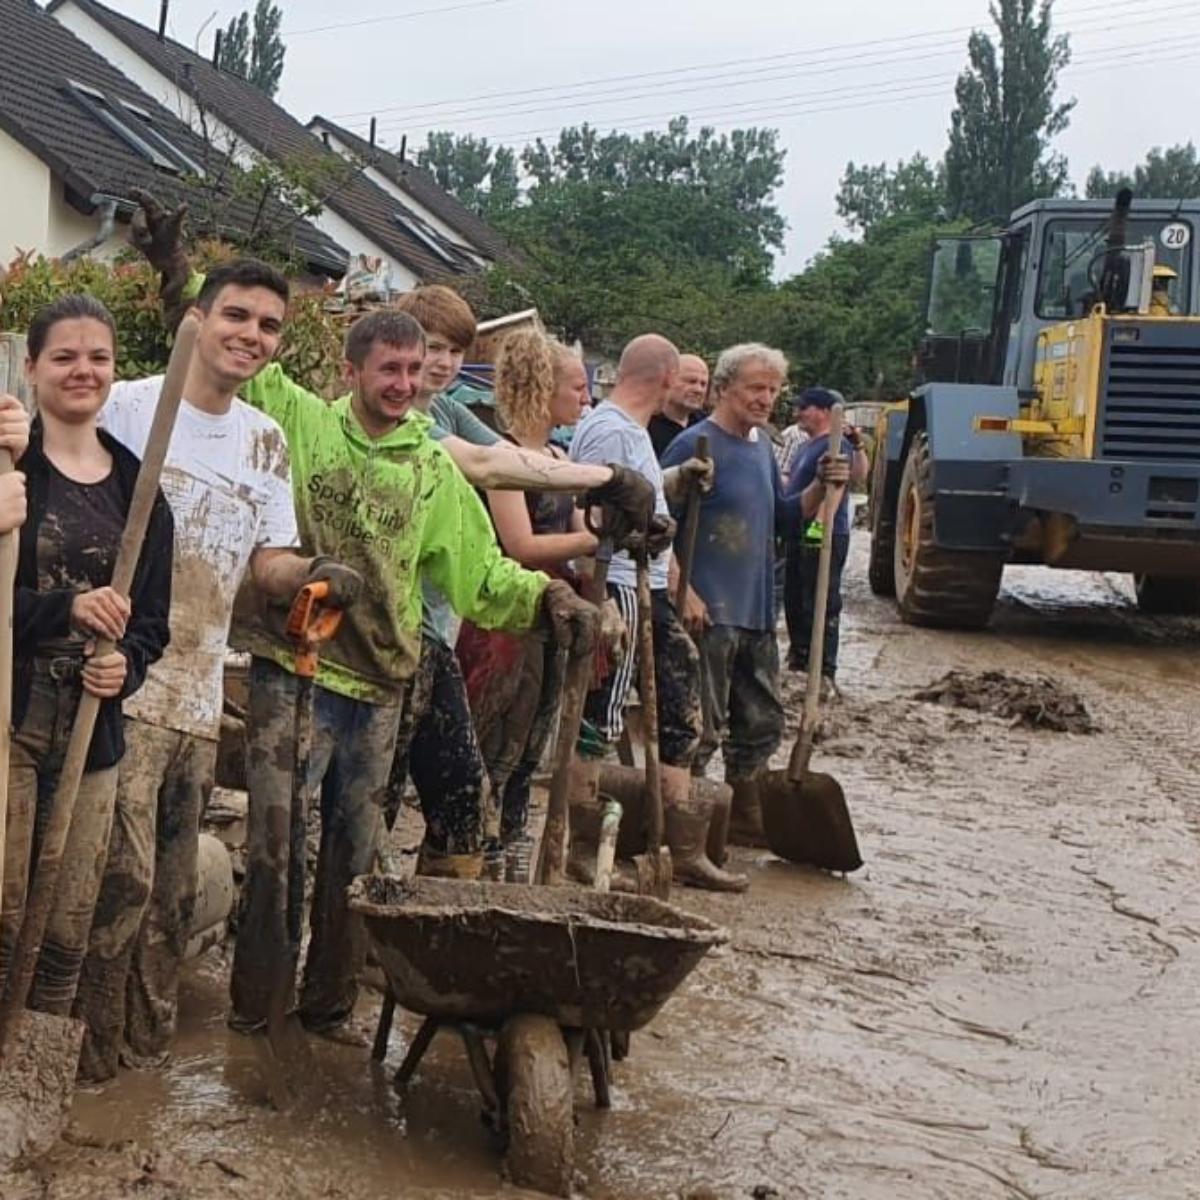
(1071, 249)
(962, 286)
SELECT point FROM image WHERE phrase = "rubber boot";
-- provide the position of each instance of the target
(720, 802)
(745, 818)
(436, 865)
(584, 813)
(685, 826)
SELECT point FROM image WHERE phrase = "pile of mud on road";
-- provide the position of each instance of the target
(1031, 702)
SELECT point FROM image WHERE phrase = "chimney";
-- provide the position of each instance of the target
(404, 148)
(163, 9)
(371, 139)
(217, 50)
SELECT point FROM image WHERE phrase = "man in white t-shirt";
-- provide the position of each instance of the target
(228, 482)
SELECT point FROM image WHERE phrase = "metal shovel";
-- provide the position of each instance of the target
(804, 812)
(285, 1057)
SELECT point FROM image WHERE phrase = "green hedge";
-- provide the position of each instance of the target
(311, 351)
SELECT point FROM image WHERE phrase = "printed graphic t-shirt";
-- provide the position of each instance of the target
(77, 542)
(229, 485)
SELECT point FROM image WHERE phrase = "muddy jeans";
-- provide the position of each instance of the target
(676, 673)
(800, 601)
(128, 990)
(438, 748)
(37, 751)
(743, 712)
(352, 748)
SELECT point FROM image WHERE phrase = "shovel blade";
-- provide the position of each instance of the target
(808, 822)
(37, 1083)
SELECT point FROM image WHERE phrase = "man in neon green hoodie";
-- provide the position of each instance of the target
(374, 491)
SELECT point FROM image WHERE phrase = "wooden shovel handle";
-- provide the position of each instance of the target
(687, 540)
(45, 880)
(648, 688)
(816, 645)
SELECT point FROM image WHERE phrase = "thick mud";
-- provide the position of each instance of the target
(1036, 702)
(1002, 1003)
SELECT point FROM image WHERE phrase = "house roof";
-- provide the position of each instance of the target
(271, 131)
(423, 188)
(55, 92)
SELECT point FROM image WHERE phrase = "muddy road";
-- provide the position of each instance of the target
(1002, 1003)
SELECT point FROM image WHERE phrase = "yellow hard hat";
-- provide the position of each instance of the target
(1162, 271)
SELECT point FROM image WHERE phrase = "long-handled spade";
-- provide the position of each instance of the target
(39, 1053)
(804, 812)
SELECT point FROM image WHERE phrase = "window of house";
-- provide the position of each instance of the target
(136, 128)
(428, 237)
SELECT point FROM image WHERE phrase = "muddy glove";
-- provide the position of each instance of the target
(628, 498)
(614, 635)
(833, 472)
(345, 583)
(573, 621)
(678, 481)
(157, 234)
(657, 538)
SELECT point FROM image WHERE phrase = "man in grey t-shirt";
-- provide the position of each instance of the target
(615, 431)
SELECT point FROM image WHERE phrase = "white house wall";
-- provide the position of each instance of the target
(398, 193)
(25, 212)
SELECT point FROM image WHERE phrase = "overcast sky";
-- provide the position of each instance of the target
(858, 79)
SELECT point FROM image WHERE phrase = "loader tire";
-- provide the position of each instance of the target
(881, 567)
(1167, 596)
(944, 589)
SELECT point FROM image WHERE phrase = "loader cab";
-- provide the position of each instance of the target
(990, 296)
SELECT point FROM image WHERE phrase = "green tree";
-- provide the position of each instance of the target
(255, 53)
(1006, 115)
(871, 193)
(1170, 174)
(482, 175)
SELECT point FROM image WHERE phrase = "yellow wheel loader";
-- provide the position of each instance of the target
(1057, 420)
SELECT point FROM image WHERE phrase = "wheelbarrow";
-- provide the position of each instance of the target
(542, 975)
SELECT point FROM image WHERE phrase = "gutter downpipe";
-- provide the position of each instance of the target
(108, 222)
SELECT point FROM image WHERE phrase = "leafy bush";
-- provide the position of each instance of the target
(311, 351)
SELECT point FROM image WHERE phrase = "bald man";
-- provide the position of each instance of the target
(684, 405)
(615, 432)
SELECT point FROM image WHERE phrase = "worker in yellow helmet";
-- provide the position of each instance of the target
(1160, 290)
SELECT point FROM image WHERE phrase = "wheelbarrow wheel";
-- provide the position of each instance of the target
(533, 1077)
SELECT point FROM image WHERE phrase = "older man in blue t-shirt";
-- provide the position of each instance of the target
(730, 608)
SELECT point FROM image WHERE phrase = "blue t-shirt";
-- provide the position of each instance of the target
(804, 471)
(733, 569)
(439, 621)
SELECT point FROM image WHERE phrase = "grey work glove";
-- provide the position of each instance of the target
(678, 481)
(614, 635)
(573, 621)
(345, 583)
(627, 498)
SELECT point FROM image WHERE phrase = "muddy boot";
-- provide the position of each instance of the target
(745, 818)
(719, 797)
(436, 865)
(685, 826)
(584, 812)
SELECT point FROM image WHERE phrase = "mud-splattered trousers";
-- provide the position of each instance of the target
(438, 749)
(128, 990)
(676, 674)
(743, 711)
(38, 746)
(800, 600)
(352, 748)
(513, 683)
